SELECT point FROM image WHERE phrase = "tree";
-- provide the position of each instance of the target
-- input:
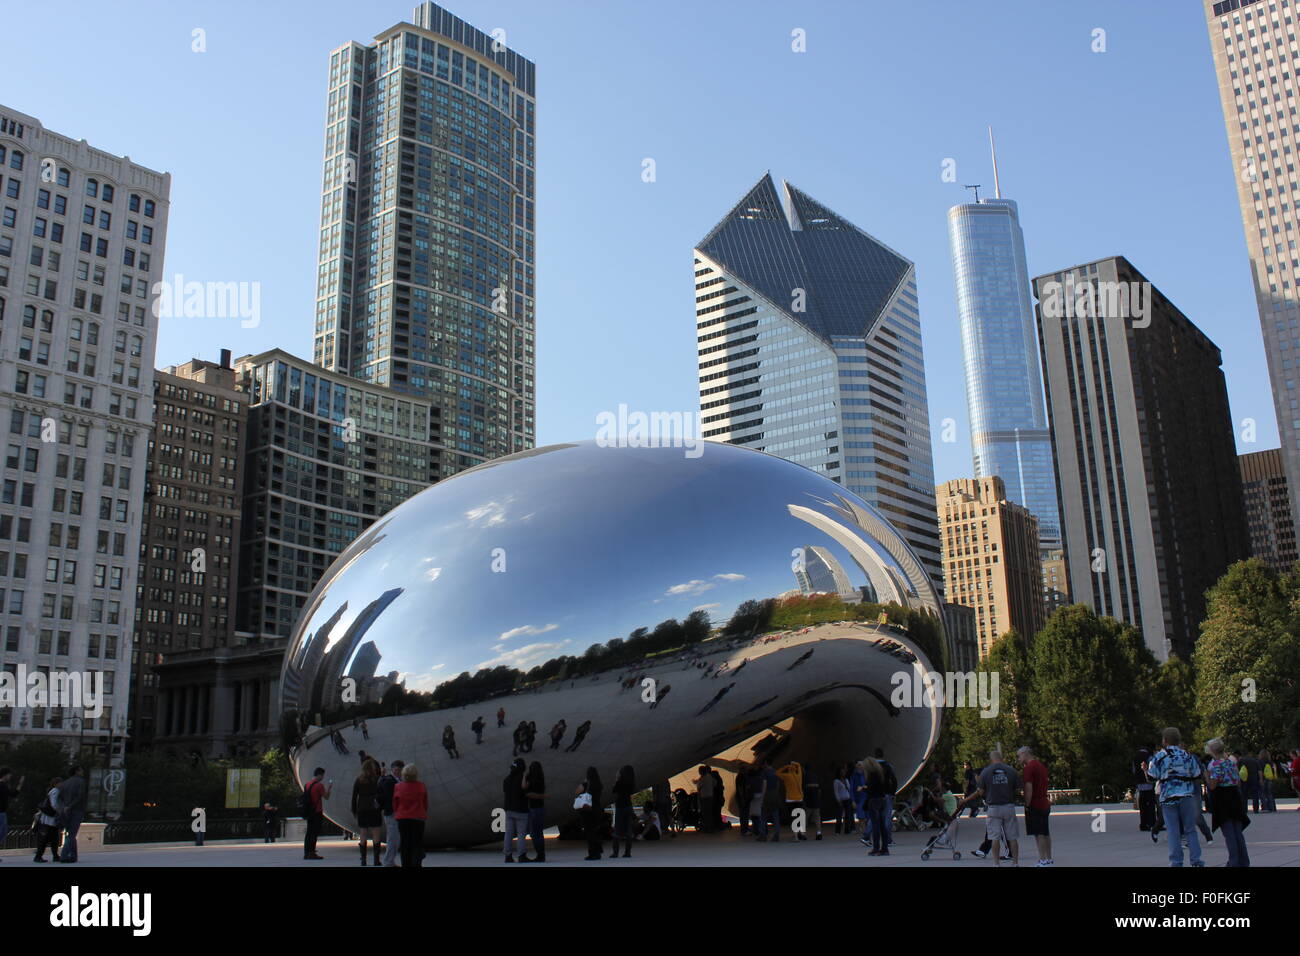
(974, 734)
(1248, 658)
(696, 626)
(1090, 703)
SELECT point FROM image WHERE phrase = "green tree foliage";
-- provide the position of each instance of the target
(1091, 701)
(1248, 658)
(35, 763)
(973, 736)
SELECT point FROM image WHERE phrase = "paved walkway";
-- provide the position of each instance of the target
(1273, 840)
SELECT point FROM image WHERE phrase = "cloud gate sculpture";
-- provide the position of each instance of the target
(661, 609)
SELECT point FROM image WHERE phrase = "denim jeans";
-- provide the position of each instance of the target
(876, 809)
(394, 843)
(69, 853)
(889, 818)
(1180, 820)
(1236, 840)
(516, 825)
(537, 829)
(4, 827)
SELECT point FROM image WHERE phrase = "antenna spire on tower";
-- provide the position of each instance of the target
(997, 188)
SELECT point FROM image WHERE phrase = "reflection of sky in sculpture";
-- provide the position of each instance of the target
(585, 566)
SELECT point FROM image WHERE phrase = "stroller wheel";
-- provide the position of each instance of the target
(925, 855)
(956, 854)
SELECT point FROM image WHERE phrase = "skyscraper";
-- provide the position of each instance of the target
(81, 249)
(1004, 391)
(1146, 464)
(810, 348)
(1249, 40)
(1268, 508)
(426, 273)
(990, 558)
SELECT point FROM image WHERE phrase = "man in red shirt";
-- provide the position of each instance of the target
(1038, 805)
(315, 792)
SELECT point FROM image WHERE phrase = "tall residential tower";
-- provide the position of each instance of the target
(810, 348)
(426, 275)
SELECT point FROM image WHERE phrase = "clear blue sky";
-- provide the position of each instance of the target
(1121, 152)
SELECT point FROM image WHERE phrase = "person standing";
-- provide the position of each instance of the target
(270, 827)
(516, 807)
(535, 792)
(366, 808)
(592, 812)
(998, 784)
(47, 823)
(5, 795)
(313, 796)
(875, 789)
(501, 716)
(844, 800)
(449, 742)
(970, 782)
(1252, 779)
(72, 800)
(1176, 771)
(623, 789)
(812, 800)
(1268, 798)
(411, 808)
(773, 797)
(858, 787)
(704, 792)
(477, 727)
(1038, 804)
(557, 733)
(387, 784)
(756, 787)
(1227, 804)
(791, 776)
(1145, 791)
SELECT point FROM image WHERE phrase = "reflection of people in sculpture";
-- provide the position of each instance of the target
(365, 731)
(530, 735)
(449, 742)
(802, 657)
(557, 734)
(661, 695)
(520, 737)
(501, 717)
(716, 697)
(578, 736)
(477, 727)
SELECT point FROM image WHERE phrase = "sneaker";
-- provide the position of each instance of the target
(979, 854)
(1043, 863)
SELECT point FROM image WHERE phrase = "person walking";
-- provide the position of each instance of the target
(970, 782)
(311, 804)
(1176, 771)
(592, 812)
(1038, 804)
(756, 787)
(535, 792)
(387, 784)
(477, 728)
(449, 742)
(623, 789)
(1144, 790)
(812, 800)
(1252, 778)
(557, 733)
(1267, 795)
(47, 823)
(998, 784)
(367, 808)
(72, 801)
(411, 809)
(579, 736)
(875, 788)
(704, 792)
(858, 787)
(516, 807)
(1227, 804)
(501, 716)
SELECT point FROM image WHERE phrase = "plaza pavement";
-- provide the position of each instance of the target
(1273, 839)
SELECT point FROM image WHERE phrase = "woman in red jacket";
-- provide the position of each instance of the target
(410, 807)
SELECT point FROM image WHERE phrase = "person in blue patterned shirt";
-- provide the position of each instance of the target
(1175, 772)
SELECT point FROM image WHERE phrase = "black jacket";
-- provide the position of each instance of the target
(387, 784)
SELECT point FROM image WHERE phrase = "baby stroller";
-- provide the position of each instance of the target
(686, 810)
(945, 839)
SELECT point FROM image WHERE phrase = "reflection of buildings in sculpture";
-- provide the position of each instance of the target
(820, 573)
(330, 680)
(307, 661)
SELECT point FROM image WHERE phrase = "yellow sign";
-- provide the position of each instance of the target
(243, 789)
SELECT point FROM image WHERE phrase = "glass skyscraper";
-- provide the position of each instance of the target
(426, 275)
(1004, 389)
(810, 348)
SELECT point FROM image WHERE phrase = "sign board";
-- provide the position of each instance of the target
(105, 792)
(243, 788)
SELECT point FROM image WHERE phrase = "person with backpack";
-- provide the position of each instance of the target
(411, 808)
(366, 808)
(387, 785)
(310, 806)
(1176, 772)
(47, 823)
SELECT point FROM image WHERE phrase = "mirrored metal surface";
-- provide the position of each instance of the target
(646, 605)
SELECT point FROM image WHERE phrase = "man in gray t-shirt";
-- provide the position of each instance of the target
(998, 783)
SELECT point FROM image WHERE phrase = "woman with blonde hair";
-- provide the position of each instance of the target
(410, 808)
(1227, 806)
